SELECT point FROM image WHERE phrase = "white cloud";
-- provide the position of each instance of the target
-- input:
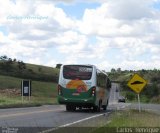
(130, 9)
(51, 63)
(132, 27)
(103, 22)
(3, 39)
(130, 65)
(69, 37)
(32, 37)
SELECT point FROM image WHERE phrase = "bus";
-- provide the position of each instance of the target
(83, 86)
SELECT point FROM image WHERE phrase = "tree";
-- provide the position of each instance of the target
(119, 70)
(113, 70)
(10, 61)
(14, 60)
(21, 65)
(4, 57)
(151, 90)
(58, 66)
(39, 69)
(6, 63)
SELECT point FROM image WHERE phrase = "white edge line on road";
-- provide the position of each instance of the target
(68, 124)
(128, 104)
(124, 106)
(81, 120)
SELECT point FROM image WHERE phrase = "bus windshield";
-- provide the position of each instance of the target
(77, 72)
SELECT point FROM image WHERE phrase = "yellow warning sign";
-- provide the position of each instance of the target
(137, 83)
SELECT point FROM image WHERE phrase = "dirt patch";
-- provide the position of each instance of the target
(10, 92)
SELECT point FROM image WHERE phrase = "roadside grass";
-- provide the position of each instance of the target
(9, 82)
(130, 118)
(134, 118)
(13, 101)
(10, 92)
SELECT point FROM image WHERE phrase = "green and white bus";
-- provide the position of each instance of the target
(83, 86)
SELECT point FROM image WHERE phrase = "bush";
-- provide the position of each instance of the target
(156, 99)
(151, 90)
(130, 95)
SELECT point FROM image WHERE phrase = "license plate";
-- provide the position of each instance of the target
(75, 94)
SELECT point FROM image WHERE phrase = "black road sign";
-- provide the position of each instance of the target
(26, 88)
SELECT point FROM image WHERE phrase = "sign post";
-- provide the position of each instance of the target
(25, 89)
(139, 104)
(137, 83)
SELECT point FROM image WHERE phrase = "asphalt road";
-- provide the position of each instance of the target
(155, 108)
(50, 117)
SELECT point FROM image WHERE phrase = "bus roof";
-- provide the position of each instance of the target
(87, 65)
(80, 64)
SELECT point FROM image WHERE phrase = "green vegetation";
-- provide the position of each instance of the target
(134, 118)
(12, 67)
(12, 71)
(151, 92)
(10, 94)
(44, 82)
(130, 118)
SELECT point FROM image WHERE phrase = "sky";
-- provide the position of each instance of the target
(107, 33)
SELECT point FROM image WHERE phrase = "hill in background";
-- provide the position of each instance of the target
(44, 81)
(14, 68)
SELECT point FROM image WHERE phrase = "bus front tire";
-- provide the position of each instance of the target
(70, 108)
(104, 107)
(95, 108)
(73, 108)
(99, 106)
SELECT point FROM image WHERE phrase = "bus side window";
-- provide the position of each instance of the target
(97, 79)
(98, 83)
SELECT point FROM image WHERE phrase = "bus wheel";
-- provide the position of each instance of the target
(95, 108)
(73, 108)
(68, 108)
(104, 107)
(99, 107)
